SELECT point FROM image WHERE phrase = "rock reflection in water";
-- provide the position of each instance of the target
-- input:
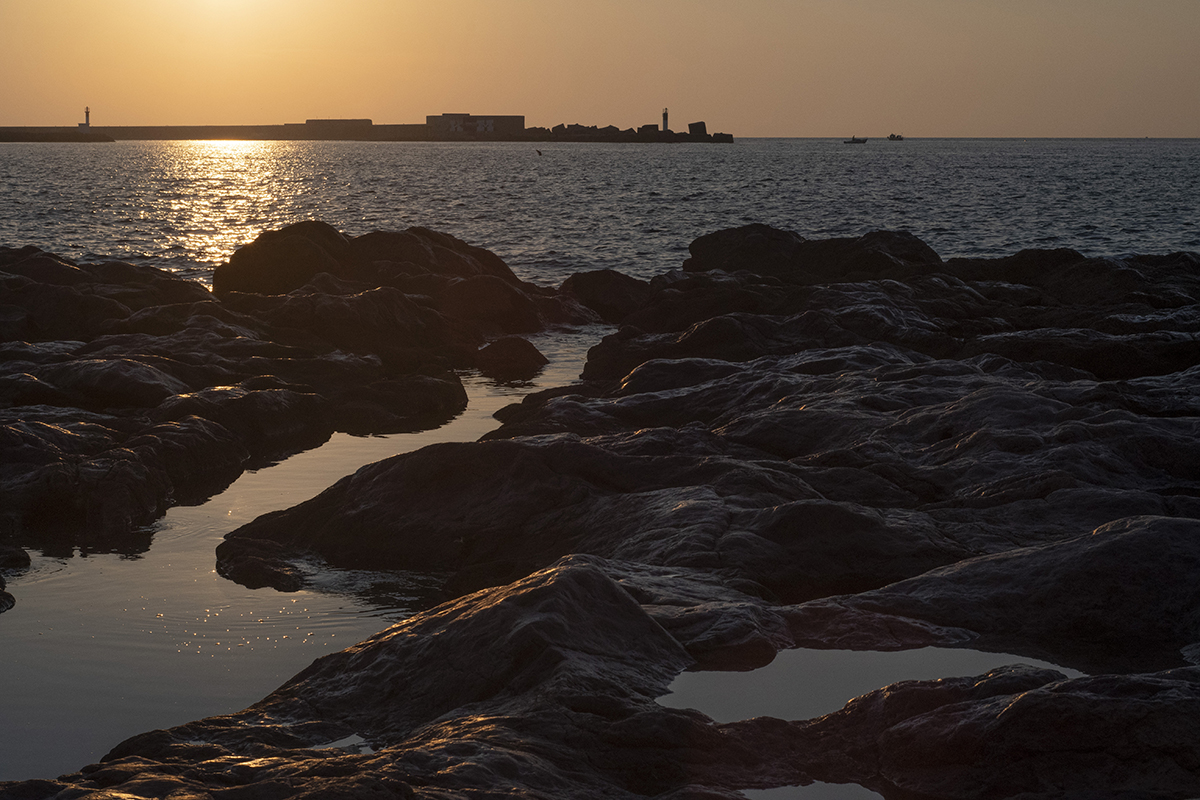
(104, 646)
(814, 791)
(804, 684)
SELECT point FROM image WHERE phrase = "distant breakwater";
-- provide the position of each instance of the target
(53, 135)
(354, 131)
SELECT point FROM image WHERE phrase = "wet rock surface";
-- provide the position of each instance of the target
(125, 390)
(511, 358)
(836, 444)
(1123, 598)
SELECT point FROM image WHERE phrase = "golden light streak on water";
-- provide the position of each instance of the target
(227, 183)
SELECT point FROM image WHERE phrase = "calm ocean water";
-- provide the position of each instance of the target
(187, 205)
(100, 648)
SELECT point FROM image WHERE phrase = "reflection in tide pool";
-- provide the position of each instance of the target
(814, 791)
(102, 647)
(804, 684)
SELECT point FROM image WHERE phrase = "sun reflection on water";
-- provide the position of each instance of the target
(187, 205)
(216, 194)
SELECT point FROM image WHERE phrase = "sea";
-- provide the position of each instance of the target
(101, 647)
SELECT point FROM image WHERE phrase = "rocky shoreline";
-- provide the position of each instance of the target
(125, 390)
(845, 443)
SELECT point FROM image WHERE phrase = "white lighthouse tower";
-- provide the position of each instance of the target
(665, 128)
(87, 119)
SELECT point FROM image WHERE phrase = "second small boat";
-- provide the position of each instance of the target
(855, 140)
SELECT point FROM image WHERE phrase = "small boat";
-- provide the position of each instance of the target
(895, 137)
(855, 140)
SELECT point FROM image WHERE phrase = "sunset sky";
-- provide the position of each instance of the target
(751, 67)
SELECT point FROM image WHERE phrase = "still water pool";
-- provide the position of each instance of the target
(804, 684)
(101, 647)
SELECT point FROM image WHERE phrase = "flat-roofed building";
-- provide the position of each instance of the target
(470, 126)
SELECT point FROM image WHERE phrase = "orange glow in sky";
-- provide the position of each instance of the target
(751, 67)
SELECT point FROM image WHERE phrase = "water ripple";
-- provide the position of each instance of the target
(188, 205)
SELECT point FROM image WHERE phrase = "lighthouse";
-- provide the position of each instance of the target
(665, 128)
(87, 118)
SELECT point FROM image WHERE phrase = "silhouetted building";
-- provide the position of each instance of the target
(339, 123)
(469, 126)
(442, 127)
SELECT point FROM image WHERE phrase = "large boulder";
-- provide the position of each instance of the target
(764, 250)
(609, 293)
(115, 382)
(424, 250)
(383, 320)
(544, 688)
(277, 262)
(44, 297)
(510, 358)
(125, 389)
(470, 285)
(1125, 597)
(1036, 306)
(492, 304)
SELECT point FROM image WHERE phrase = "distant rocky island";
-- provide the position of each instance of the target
(436, 128)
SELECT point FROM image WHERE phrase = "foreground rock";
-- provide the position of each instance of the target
(463, 283)
(839, 444)
(124, 389)
(546, 688)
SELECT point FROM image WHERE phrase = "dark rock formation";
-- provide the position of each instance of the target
(609, 293)
(874, 409)
(125, 389)
(519, 505)
(1014, 732)
(496, 305)
(11, 559)
(546, 687)
(467, 284)
(1124, 598)
(510, 358)
(768, 251)
(841, 444)
(279, 261)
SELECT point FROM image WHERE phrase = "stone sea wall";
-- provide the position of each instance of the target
(845, 443)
